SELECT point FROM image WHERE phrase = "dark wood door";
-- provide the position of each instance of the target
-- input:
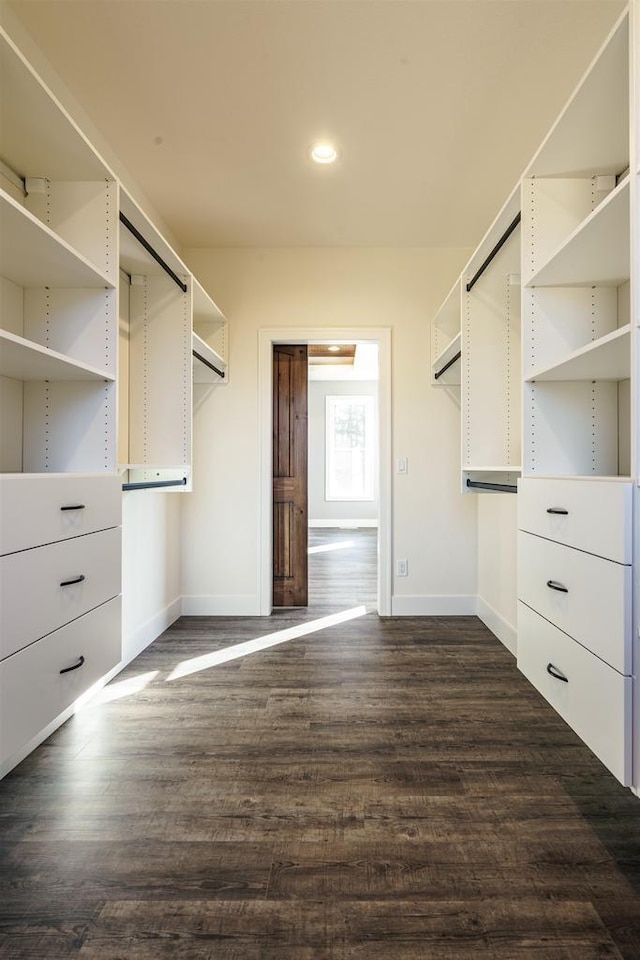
(289, 475)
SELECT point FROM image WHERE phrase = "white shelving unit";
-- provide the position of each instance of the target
(635, 366)
(32, 255)
(58, 248)
(579, 406)
(574, 388)
(476, 345)
(98, 324)
(491, 358)
(60, 498)
(209, 341)
(174, 339)
(607, 358)
(446, 340)
(596, 252)
(159, 389)
(22, 359)
(446, 368)
(577, 270)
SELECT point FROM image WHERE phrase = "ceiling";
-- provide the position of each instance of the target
(211, 105)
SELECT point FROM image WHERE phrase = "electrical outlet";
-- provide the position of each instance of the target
(402, 568)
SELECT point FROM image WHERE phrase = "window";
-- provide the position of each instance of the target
(349, 448)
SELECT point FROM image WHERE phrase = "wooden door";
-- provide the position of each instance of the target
(289, 476)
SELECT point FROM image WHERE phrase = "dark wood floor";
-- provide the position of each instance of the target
(377, 790)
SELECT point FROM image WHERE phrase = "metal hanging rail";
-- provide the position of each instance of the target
(152, 484)
(501, 242)
(449, 363)
(207, 363)
(485, 485)
(156, 256)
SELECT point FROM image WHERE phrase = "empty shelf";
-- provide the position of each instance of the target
(22, 359)
(608, 358)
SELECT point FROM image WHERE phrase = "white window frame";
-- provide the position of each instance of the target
(331, 402)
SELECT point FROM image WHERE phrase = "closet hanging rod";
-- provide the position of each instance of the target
(449, 363)
(485, 485)
(208, 364)
(156, 256)
(151, 484)
(501, 242)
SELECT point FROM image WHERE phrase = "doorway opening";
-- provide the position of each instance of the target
(343, 474)
(347, 487)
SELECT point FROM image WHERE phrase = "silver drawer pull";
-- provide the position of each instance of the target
(554, 672)
(76, 666)
(560, 587)
(67, 583)
(560, 510)
(74, 506)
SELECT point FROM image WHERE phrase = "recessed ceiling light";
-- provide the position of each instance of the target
(334, 348)
(324, 153)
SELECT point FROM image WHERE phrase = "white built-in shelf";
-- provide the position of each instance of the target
(23, 359)
(505, 218)
(448, 318)
(135, 259)
(608, 358)
(617, 478)
(501, 468)
(39, 139)
(204, 309)
(32, 255)
(493, 477)
(591, 135)
(597, 252)
(203, 355)
(453, 374)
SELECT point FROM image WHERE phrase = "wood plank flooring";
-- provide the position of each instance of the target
(377, 790)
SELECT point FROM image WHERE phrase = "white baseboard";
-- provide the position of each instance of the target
(504, 631)
(235, 605)
(433, 606)
(142, 636)
(344, 524)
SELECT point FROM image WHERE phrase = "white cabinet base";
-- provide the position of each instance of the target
(594, 699)
(34, 692)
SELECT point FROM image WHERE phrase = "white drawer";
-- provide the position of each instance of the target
(37, 589)
(596, 607)
(38, 509)
(33, 692)
(595, 701)
(597, 519)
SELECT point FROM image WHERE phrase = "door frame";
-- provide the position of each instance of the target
(266, 339)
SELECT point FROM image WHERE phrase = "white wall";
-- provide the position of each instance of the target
(434, 527)
(319, 508)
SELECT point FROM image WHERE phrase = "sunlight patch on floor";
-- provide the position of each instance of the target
(327, 547)
(123, 688)
(217, 657)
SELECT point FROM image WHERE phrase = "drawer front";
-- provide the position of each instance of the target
(596, 607)
(39, 510)
(33, 692)
(38, 592)
(597, 519)
(596, 700)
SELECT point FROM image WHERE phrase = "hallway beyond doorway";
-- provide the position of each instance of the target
(343, 566)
